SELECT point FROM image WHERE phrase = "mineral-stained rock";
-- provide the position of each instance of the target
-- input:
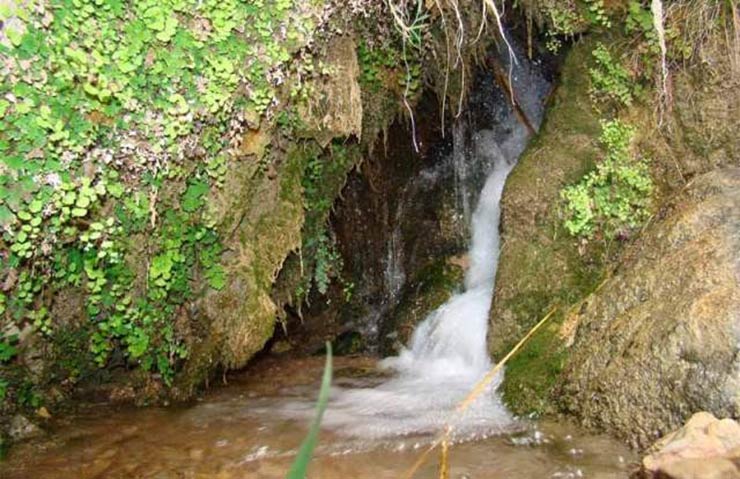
(659, 341)
(705, 448)
(335, 107)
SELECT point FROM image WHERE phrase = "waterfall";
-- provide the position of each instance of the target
(447, 354)
(452, 340)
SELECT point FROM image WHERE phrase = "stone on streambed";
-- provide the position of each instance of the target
(705, 448)
(21, 429)
(659, 341)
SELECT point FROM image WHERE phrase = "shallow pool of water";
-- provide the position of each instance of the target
(240, 431)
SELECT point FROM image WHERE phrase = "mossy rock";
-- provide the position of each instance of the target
(540, 265)
(534, 371)
(239, 319)
(429, 289)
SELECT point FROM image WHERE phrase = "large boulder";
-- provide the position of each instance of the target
(541, 265)
(660, 339)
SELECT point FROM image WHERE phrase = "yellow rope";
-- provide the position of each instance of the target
(444, 438)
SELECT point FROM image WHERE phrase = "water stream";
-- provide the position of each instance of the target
(447, 354)
(239, 432)
(381, 415)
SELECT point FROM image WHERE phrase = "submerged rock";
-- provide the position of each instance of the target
(705, 448)
(21, 428)
(660, 339)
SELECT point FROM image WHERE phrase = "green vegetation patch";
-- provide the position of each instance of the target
(116, 120)
(534, 370)
(324, 177)
(615, 197)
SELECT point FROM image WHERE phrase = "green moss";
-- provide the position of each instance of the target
(534, 370)
(111, 147)
(439, 275)
(541, 265)
(431, 286)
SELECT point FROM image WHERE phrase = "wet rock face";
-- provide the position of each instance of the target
(396, 222)
(660, 339)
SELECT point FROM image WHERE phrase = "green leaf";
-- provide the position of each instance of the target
(15, 162)
(7, 350)
(35, 206)
(216, 277)
(116, 190)
(192, 198)
(15, 36)
(6, 216)
(300, 464)
(83, 201)
(69, 198)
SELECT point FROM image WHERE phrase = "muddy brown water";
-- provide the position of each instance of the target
(236, 432)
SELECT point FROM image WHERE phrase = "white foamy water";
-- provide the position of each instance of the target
(447, 354)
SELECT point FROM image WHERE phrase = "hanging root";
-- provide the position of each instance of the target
(504, 83)
(656, 7)
(408, 25)
(490, 6)
(447, 65)
(733, 37)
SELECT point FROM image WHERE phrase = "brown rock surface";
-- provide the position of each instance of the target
(659, 340)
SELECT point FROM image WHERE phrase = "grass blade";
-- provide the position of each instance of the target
(300, 464)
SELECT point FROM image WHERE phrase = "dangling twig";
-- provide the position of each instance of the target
(656, 7)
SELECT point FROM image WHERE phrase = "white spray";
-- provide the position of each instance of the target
(447, 354)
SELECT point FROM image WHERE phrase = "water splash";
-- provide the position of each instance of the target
(447, 354)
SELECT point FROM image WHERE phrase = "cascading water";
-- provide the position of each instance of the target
(447, 354)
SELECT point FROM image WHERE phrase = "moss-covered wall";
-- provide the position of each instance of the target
(543, 266)
(161, 160)
(540, 265)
